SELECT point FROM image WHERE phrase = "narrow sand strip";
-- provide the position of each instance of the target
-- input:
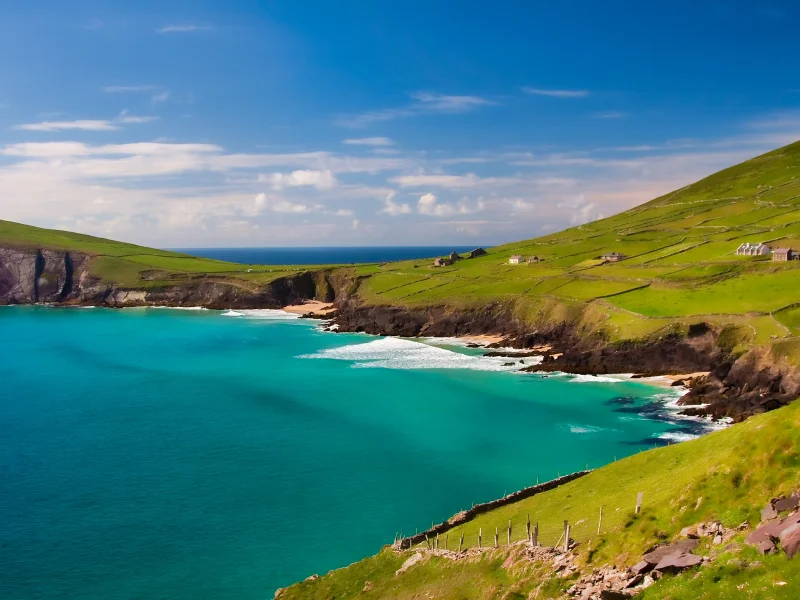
(313, 307)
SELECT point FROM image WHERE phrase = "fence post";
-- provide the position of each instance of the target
(600, 522)
(480, 535)
(536, 534)
(496, 533)
(639, 502)
(437, 541)
(566, 536)
(528, 527)
(446, 538)
(427, 542)
(509, 532)
(461, 542)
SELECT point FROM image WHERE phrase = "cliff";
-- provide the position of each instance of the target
(29, 276)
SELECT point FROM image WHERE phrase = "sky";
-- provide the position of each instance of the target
(322, 123)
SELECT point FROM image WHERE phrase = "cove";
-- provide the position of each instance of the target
(157, 453)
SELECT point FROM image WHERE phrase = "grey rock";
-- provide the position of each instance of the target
(675, 563)
(641, 568)
(790, 540)
(655, 556)
(766, 547)
(769, 512)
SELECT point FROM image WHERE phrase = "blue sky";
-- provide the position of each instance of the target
(309, 123)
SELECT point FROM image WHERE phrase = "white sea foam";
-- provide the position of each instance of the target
(263, 314)
(597, 378)
(398, 353)
(677, 436)
(179, 307)
(584, 429)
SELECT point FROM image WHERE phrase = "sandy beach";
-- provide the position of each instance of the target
(482, 340)
(669, 380)
(313, 307)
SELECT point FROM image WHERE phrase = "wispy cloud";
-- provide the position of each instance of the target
(470, 180)
(392, 208)
(320, 179)
(608, 114)
(126, 89)
(368, 141)
(556, 93)
(185, 28)
(84, 125)
(423, 103)
(428, 204)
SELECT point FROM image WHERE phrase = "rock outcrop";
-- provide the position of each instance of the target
(29, 276)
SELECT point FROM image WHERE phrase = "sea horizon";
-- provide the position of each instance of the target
(321, 255)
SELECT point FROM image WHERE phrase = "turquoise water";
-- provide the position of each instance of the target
(169, 454)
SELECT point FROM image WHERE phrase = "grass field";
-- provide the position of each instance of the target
(135, 266)
(681, 264)
(735, 472)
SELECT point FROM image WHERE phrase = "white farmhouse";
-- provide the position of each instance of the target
(748, 249)
(516, 259)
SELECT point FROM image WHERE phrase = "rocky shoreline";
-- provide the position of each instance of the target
(736, 387)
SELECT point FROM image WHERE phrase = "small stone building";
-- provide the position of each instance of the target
(476, 253)
(442, 262)
(782, 254)
(748, 249)
(516, 259)
(532, 260)
(454, 256)
(613, 256)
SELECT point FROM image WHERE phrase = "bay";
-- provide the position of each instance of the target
(171, 454)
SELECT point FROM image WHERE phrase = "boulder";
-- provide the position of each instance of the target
(641, 568)
(766, 547)
(656, 555)
(675, 563)
(771, 531)
(769, 512)
(784, 504)
(790, 540)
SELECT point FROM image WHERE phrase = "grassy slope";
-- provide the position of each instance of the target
(135, 266)
(735, 471)
(681, 268)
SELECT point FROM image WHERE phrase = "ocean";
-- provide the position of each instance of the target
(322, 255)
(180, 454)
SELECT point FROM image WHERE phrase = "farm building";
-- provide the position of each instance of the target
(516, 259)
(748, 249)
(454, 256)
(533, 260)
(783, 254)
(442, 262)
(476, 253)
(613, 256)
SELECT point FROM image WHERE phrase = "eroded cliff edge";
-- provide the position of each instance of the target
(738, 384)
(51, 276)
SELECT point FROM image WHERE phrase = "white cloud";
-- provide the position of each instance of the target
(424, 103)
(159, 97)
(450, 104)
(368, 141)
(322, 180)
(133, 119)
(470, 180)
(264, 203)
(84, 125)
(392, 208)
(429, 204)
(187, 28)
(556, 93)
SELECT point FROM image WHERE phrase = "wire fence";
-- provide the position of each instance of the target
(582, 525)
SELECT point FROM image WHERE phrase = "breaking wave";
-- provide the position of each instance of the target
(264, 314)
(397, 353)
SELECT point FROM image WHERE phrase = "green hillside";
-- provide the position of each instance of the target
(734, 472)
(134, 266)
(681, 263)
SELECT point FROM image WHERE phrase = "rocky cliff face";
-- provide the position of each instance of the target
(49, 276)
